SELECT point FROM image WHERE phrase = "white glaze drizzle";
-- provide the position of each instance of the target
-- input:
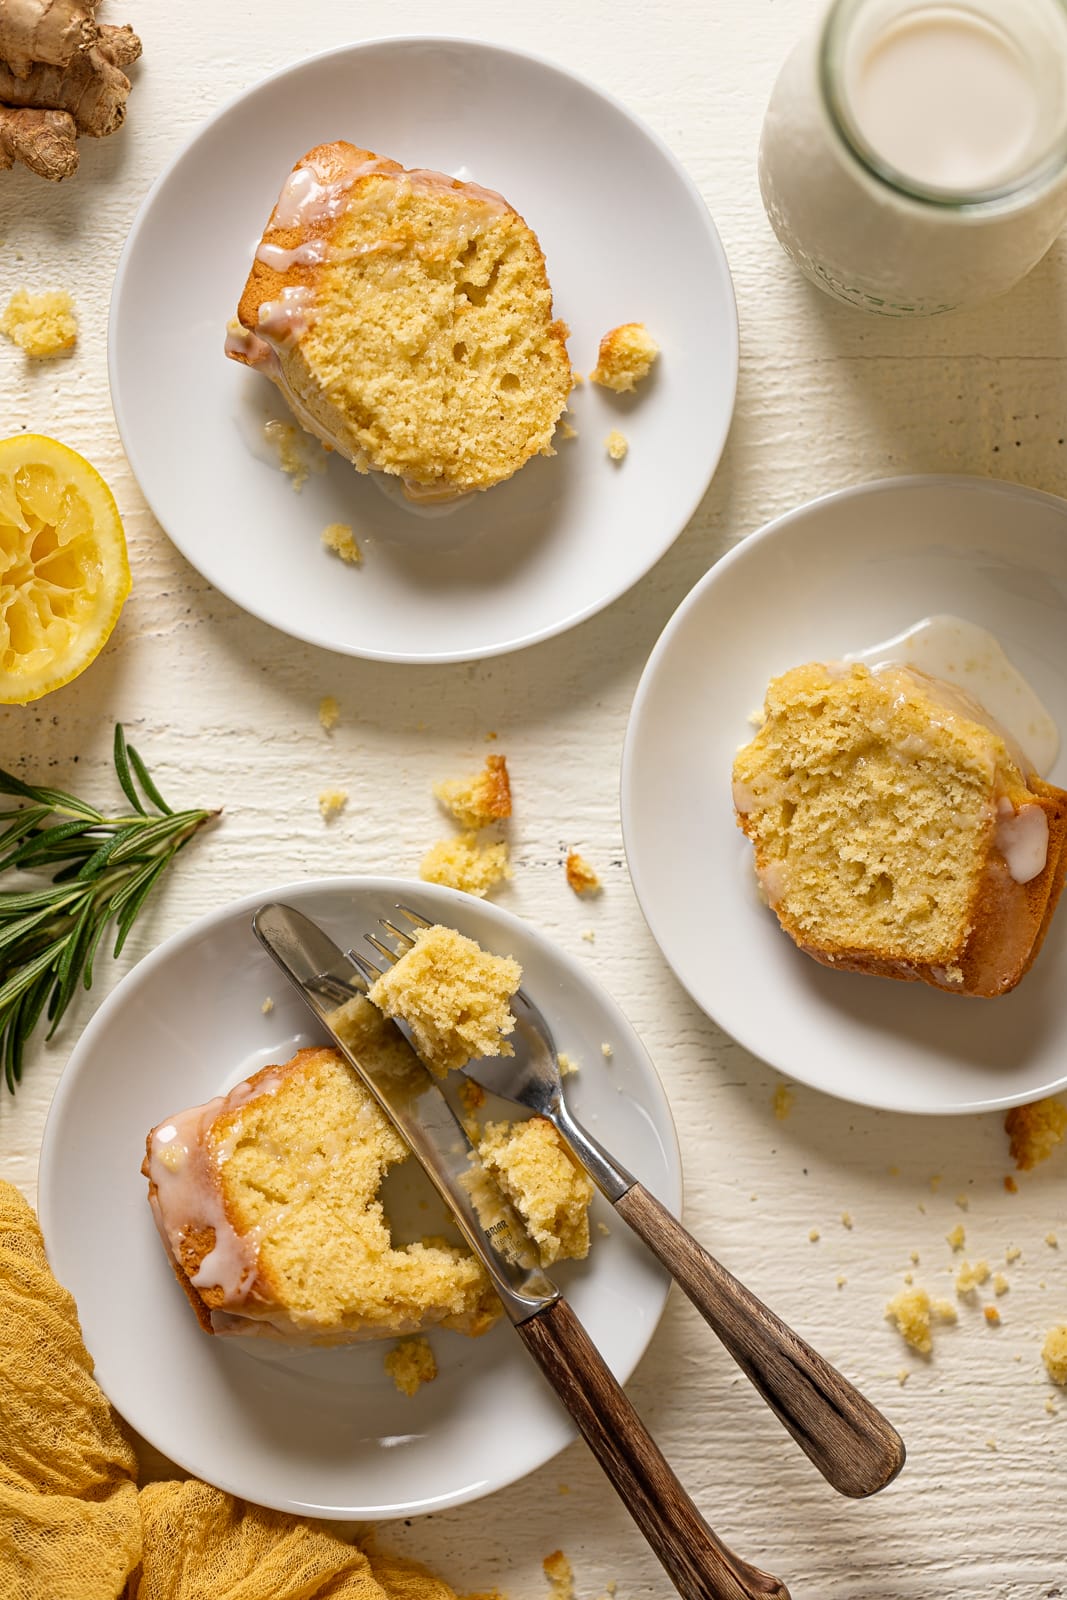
(308, 254)
(1022, 839)
(285, 320)
(960, 653)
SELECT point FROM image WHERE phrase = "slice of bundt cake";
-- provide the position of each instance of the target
(267, 1201)
(407, 319)
(897, 832)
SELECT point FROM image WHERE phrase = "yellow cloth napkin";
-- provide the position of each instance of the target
(72, 1523)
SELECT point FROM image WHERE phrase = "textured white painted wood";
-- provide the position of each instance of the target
(225, 711)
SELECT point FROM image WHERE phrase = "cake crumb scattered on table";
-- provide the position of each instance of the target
(992, 1315)
(42, 325)
(329, 711)
(589, 935)
(560, 1575)
(913, 1257)
(813, 1236)
(963, 1202)
(464, 863)
(332, 802)
(903, 1375)
(956, 1237)
(1050, 1406)
(841, 1280)
(267, 1007)
(846, 1220)
(479, 799)
(1000, 1284)
(1054, 1353)
(991, 1443)
(1012, 1253)
(581, 877)
(1052, 1241)
(935, 1182)
(410, 1364)
(1010, 1184)
(969, 1277)
(339, 538)
(782, 1101)
(1034, 1131)
(616, 444)
(910, 1310)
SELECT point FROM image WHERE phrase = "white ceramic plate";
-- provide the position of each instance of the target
(325, 1432)
(627, 238)
(837, 575)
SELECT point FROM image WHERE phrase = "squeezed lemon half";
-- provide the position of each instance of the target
(63, 570)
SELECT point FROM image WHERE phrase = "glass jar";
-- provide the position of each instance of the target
(914, 156)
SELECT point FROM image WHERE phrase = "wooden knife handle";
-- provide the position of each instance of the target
(699, 1565)
(847, 1438)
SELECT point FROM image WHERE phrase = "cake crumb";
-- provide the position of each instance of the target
(607, 1050)
(969, 1278)
(813, 1236)
(560, 1575)
(290, 445)
(332, 802)
(913, 1257)
(1034, 1131)
(956, 1237)
(339, 538)
(935, 1182)
(1052, 1241)
(566, 429)
(1050, 1406)
(841, 1280)
(616, 444)
(910, 1310)
(580, 875)
(329, 712)
(1010, 1184)
(944, 1311)
(991, 1444)
(894, 1172)
(625, 356)
(410, 1364)
(567, 1065)
(992, 1316)
(903, 1375)
(1054, 1353)
(471, 1095)
(1000, 1284)
(42, 325)
(589, 936)
(480, 799)
(603, 1228)
(782, 1100)
(267, 1007)
(463, 863)
(909, 1277)
(1012, 1253)
(846, 1220)
(963, 1202)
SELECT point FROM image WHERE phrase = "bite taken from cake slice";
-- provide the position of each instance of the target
(897, 831)
(407, 319)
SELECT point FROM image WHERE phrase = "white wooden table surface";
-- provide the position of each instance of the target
(225, 711)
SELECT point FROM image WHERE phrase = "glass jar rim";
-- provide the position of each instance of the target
(831, 74)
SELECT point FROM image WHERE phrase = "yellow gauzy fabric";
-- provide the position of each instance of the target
(72, 1524)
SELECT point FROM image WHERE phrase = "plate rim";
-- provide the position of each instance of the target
(767, 532)
(49, 1165)
(546, 63)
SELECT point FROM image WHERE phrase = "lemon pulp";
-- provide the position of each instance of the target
(63, 570)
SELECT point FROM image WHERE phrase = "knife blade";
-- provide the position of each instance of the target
(699, 1565)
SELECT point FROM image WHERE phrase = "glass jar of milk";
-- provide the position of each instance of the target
(914, 156)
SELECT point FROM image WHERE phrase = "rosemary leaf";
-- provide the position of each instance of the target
(103, 870)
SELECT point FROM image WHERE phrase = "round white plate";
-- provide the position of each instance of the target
(839, 574)
(323, 1432)
(627, 238)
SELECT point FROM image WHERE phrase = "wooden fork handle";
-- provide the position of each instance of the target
(846, 1437)
(699, 1565)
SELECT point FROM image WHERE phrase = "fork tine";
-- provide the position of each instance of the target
(391, 956)
(416, 919)
(368, 969)
(403, 938)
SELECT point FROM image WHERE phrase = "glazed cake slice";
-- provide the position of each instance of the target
(407, 318)
(897, 832)
(268, 1203)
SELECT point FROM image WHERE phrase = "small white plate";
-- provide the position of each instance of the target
(834, 576)
(323, 1432)
(627, 238)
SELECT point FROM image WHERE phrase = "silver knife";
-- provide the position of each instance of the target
(700, 1566)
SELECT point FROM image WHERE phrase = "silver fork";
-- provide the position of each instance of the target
(840, 1431)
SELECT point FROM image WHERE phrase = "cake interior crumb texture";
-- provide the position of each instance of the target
(42, 325)
(481, 798)
(454, 996)
(539, 1175)
(466, 863)
(625, 357)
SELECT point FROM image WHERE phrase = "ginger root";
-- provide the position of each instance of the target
(60, 76)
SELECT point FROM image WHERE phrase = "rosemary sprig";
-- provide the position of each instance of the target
(105, 870)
